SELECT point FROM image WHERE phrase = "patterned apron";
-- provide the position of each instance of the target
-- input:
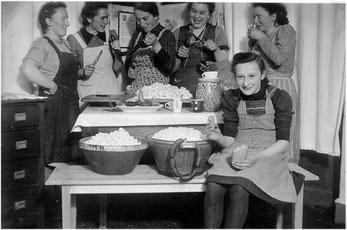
(145, 73)
(61, 110)
(103, 79)
(271, 174)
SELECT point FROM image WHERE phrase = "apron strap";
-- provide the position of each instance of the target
(80, 40)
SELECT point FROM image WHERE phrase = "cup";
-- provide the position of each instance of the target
(175, 105)
(197, 105)
(240, 152)
(210, 75)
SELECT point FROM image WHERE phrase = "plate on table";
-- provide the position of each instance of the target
(106, 98)
(165, 100)
(137, 108)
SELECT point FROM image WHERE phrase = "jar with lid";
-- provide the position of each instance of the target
(211, 91)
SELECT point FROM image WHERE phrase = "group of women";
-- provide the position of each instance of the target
(90, 62)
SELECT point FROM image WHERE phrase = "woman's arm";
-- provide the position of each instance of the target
(278, 52)
(30, 70)
(222, 51)
(77, 51)
(165, 56)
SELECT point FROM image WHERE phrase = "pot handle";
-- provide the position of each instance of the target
(173, 166)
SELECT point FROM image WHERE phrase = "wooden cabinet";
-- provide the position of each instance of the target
(22, 163)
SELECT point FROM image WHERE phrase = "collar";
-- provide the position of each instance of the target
(88, 36)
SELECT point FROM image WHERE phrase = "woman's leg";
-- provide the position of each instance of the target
(214, 205)
(237, 208)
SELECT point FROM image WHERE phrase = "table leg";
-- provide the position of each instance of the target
(102, 210)
(68, 208)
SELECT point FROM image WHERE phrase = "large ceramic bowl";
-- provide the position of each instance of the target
(112, 160)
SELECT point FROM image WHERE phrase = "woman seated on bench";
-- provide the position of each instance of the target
(258, 115)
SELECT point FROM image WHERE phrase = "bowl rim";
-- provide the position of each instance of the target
(150, 138)
(111, 148)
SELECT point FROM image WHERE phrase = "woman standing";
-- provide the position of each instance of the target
(51, 65)
(275, 40)
(198, 43)
(152, 54)
(258, 115)
(103, 75)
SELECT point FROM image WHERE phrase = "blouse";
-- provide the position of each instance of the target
(282, 105)
(44, 56)
(278, 49)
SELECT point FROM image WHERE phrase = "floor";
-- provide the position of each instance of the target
(169, 211)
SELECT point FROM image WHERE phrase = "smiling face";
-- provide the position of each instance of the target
(199, 15)
(248, 77)
(59, 22)
(263, 20)
(146, 20)
(99, 21)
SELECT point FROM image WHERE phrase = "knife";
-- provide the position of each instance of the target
(97, 58)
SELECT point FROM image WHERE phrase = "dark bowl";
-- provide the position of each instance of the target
(112, 160)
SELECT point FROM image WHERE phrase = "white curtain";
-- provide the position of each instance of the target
(320, 70)
(321, 75)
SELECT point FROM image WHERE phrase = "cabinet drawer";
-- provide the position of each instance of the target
(20, 144)
(20, 208)
(19, 174)
(17, 116)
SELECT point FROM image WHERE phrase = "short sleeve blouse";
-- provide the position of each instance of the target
(44, 57)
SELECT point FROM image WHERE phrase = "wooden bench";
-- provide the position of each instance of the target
(79, 179)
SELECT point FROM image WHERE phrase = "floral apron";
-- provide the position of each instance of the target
(61, 110)
(271, 174)
(145, 73)
(103, 79)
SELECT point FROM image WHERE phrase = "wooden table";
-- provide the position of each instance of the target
(79, 179)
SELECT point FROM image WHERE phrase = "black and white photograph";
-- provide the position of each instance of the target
(173, 115)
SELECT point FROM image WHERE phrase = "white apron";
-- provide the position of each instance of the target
(103, 79)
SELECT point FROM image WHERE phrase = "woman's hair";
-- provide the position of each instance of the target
(47, 11)
(210, 5)
(245, 57)
(149, 7)
(275, 8)
(90, 9)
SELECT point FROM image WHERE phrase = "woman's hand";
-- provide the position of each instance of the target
(151, 39)
(243, 164)
(88, 71)
(183, 51)
(211, 45)
(255, 34)
(115, 45)
(52, 90)
(212, 130)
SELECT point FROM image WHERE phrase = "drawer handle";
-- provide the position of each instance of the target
(19, 205)
(20, 116)
(21, 144)
(19, 174)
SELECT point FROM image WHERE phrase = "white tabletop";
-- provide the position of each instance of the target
(102, 117)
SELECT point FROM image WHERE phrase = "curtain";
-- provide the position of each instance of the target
(321, 75)
(320, 66)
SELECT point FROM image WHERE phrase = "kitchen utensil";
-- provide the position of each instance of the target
(210, 74)
(175, 105)
(97, 58)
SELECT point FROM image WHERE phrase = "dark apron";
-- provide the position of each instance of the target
(61, 110)
(189, 72)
